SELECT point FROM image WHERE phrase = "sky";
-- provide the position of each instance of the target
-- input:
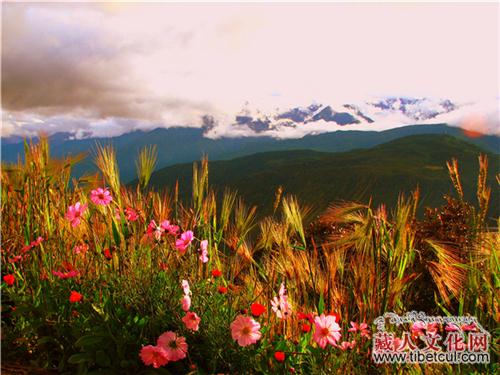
(103, 69)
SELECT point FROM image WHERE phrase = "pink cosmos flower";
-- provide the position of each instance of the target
(185, 287)
(101, 196)
(152, 229)
(281, 307)
(170, 228)
(175, 346)
(74, 214)
(186, 302)
(191, 321)
(327, 331)
(182, 243)
(245, 330)
(204, 251)
(131, 214)
(154, 356)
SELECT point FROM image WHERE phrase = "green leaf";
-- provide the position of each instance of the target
(116, 234)
(79, 358)
(88, 340)
(321, 304)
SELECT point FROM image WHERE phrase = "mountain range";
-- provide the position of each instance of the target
(182, 145)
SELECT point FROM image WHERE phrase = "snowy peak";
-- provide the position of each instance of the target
(406, 109)
(416, 108)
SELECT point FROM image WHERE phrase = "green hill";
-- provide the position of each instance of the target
(319, 178)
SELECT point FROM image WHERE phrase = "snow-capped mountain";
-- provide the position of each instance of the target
(409, 110)
(416, 108)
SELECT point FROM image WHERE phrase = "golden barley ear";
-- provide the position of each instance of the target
(145, 164)
(228, 200)
(455, 177)
(277, 199)
(105, 160)
(448, 272)
(483, 191)
(200, 183)
(294, 216)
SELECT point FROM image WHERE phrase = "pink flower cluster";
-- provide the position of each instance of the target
(344, 345)
(204, 251)
(169, 348)
(159, 230)
(191, 320)
(182, 243)
(186, 299)
(280, 305)
(67, 272)
(130, 214)
(25, 249)
(362, 328)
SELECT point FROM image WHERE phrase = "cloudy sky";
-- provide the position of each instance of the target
(104, 69)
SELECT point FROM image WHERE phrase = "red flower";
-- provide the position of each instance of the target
(107, 253)
(306, 327)
(303, 316)
(279, 356)
(222, 289)
(257, 309)
(75, 297)
(216, 273)
(9, 279)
